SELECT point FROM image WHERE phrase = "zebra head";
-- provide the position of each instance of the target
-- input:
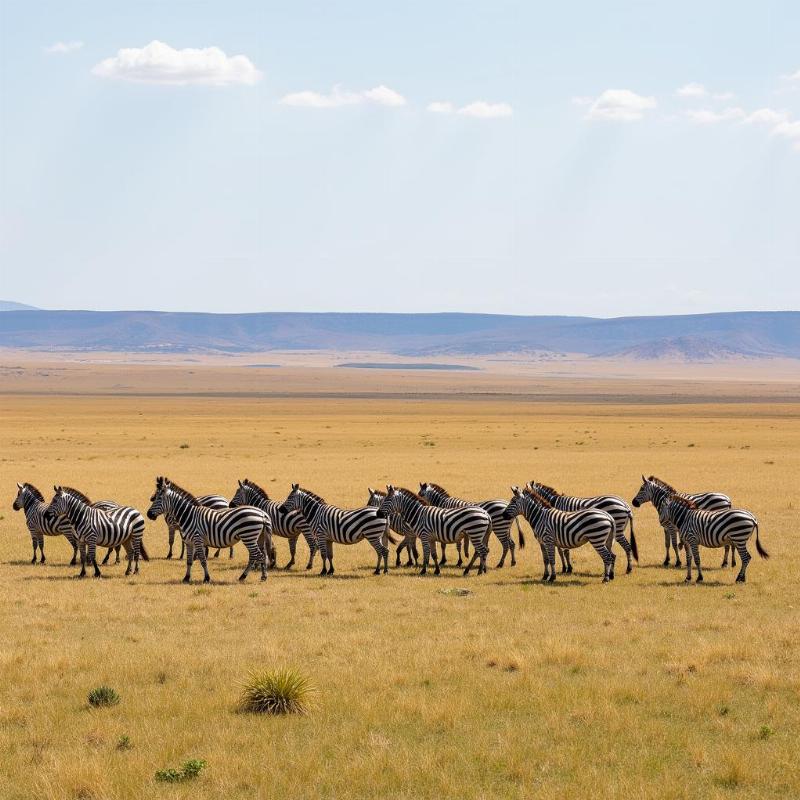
(645, 493)
(376, 497)
(433, 493)
(22, 496)
(388, 503)
(514, 506)
(299, 499)
(157, 501)
(59, 505)
(242, 496)
(542, 489)
(674, 511)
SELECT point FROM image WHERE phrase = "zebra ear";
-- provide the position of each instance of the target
(19, 486)
(644, 480)
(370, 490)
(422, 486)
(55, 488)
(295, 486)
(240, 484)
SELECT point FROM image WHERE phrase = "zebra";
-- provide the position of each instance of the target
(209, 501)
(616, 506)
(396, 523)
(331, 524)
(289, 526)
(565, 529)
(445, 525)
(438, 496)
(120, 525)
(731, 526)
(654, 490)
(202, 527)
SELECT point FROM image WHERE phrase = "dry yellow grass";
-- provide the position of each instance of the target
(641, 688)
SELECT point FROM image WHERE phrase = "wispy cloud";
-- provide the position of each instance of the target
(795, 76)
(619, 105)
(707, 116)
(766, 116)
(338, 97)
(479, 109)
(159, 63)
(692, 90)
(789, 130)
(64, 48)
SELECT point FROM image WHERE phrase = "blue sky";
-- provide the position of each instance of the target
(605, 159)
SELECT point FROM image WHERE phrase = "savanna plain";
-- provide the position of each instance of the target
(644, 687)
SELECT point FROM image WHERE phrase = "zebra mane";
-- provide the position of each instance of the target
(544, 487)
(412, 495)
(378, 492)
(683, 501)
(536, 497)
(436, 488)
(33, 490)
(313, 496)
(77, 495)
(255, 487)
(181, 492)
(662, 484)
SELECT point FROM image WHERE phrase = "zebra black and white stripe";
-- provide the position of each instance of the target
(396, 523)
(620, 511)
(330, 524)
(288, 526)
(437, 495)
(444, 525)
(203, 527)
(103, 527)
(565, 529)
(209, 501)
(730, 526)
(41, 522)
(654, 490)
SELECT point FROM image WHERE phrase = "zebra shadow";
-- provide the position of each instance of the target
(559, 582)
(673, 584)
(88, 578)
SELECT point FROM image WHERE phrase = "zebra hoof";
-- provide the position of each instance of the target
(73, 562)
(740, 579)
(666, 562)
(552, 578)
(687, 579)
(699, 579)
(33, 560)
(629, 570)
(377, 571)
(606, 579)
(569, 570)
(169, 556)
(500, 565)
(678, 565)
(186, 579)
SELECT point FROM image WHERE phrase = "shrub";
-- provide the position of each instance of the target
(278, 691)
(189, 771)
(124, 742)
(102, 696)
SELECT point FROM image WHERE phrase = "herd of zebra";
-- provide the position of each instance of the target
(398, 516)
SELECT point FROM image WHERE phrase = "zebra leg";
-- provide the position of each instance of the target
(385, 548)
(41, 548)
(292, 550)
(216, 555)
(398, 550)
(725, 557)
(426, 552)
(82, 573)
(116, 550)
(620, 538)
(568, 556)
(171, 539)
(312, 548)
(107, 556)
(608, 563)
(545, 561)
(674, 535)
(564, 563)
(129, 556)
(330, 557)
(414, 552)
(504, 542)
(443, 559)
(733, 556)
(436, 566)
(203, 556)
(230, 552)
(696, 554)
(549, 553)
(74, 560)
(322, 546)
(189, 548)
(183, 548)
(476, 553)
(253, 557)
(744, 557)
(92, 552)
(35, 543)
(686, 547)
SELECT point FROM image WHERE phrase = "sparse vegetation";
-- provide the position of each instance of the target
(188, 771)
(102, 696)
(276, 691)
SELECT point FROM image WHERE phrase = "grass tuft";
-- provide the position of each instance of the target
(277, 691)
(103, 696)
(189, 771)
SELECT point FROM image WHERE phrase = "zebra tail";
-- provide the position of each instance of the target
(761, 551)
(634, 547)
(143, 553)
(521, 536)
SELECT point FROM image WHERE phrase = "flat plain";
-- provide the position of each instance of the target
(644, 687)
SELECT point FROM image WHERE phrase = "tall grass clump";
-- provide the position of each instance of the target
(276, 691)
(102, 696)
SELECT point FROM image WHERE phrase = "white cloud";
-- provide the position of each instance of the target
(766, 116)
(484, 110)
(160, 63)
(692, 90)
(337, 97)
(620, 105)
(480, 109)
(789, 130)
(705, 116)
(795, 76)
(441, 107)
(724, 96)
(63, 48)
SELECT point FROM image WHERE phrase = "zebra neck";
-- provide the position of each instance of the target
(77, 513)
(411, 512)
(180, 510)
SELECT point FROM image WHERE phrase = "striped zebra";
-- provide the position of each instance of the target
(565, 529)
(438, 496)
(203, 527)
(654, 490)
(209, 501)
(620, 511)
(409, 541)
(444, 525)
(93, 526)
(730, 526)
(331, 524)
(40, 524)
(289, 526)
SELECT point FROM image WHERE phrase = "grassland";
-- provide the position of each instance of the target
(642, 688)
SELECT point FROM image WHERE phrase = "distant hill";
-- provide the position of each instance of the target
(10, 305)
(688, 337)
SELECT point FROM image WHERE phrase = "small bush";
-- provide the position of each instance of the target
(103, 696)
(184, 446)
(764, 732)
(124, 742)
(189, 771)
(278, 691)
